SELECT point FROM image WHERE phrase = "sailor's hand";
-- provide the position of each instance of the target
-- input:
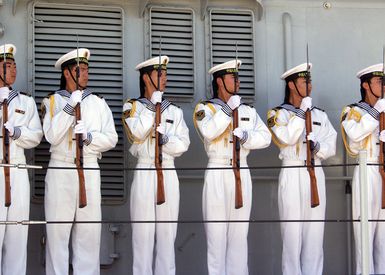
(382, 136)
(80, 128)
(380, 105)
(4, 93)
(238, 132)
(311, 136)
(156, 97)
(306, 103)
(10, 128)
(161, 129)
(76, 97)
(234, 102)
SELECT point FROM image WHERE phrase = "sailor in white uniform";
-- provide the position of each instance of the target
(227, 242)
(25, 132)
(302, 252)
(360, 131)
(62, 186)
(139, 121)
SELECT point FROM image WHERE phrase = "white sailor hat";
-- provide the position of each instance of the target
(71, 58)
(228, 67)
(9, 50)
(153, 64)
(296, 72)
(371, 71)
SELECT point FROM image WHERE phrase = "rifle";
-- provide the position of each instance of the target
(160, 195)
(236, 149)
(79, 142)
(309, 145)
(5, 133)
(382, 147)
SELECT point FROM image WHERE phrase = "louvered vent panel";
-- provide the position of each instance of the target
(99, 30)
(229, 28)
(175, 27)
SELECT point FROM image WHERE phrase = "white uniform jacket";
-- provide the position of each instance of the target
(22, 112)
(59, 121)
(213, 119)
(139, 120)
(360, 129)
(287, 125)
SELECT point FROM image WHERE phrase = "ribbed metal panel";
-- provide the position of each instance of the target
(101, 31)
(175, 26)
(228, 27)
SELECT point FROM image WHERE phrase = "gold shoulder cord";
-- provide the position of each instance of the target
(129, 113)
(352, 114)
(271, 122)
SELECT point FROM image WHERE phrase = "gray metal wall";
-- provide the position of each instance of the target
(342, 40)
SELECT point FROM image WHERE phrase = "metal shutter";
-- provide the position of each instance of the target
(100, 30)
(228, 27)
(175, 26)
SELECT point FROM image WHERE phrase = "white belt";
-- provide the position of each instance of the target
(226, 161)
(293, 162)
(167, 162)
(86, 159)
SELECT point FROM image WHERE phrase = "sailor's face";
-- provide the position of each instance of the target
(301, 86)
(10, 71)
(83, 74)
(232, 82)
(162, 79)
(375, 85)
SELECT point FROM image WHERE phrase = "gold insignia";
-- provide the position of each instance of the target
(270, 122)
(126, 113)
(20, 111)
(200, 115)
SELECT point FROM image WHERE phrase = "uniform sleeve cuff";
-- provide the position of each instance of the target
(17, 133)
(88, 140)
(316, 149)
(244, 138)
(69, 109)
(164, 139)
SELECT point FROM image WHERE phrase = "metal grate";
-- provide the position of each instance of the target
(100, 29)
(175, 26)
(226, 29)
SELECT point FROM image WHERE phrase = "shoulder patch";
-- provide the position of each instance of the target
(98, 95)
(175, 105)
(26, 94)
(49, 94)
(319, 109)
(247, 104)
(200, 115)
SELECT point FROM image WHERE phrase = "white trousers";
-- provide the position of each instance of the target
(226, 242)
(14, 238)
(302, 252)
(144, 208)
(62, 204)
(376, 229)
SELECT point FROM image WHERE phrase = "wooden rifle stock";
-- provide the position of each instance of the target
(236, 164)
(381, 161)
(79, 162)
(5, 133)
(310, 163)
(160, 196)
